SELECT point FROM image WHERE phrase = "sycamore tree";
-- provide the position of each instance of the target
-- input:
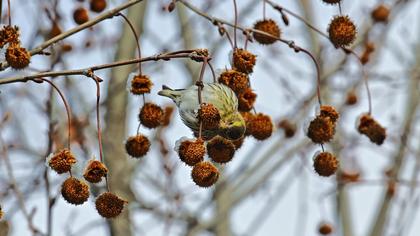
(188, 117)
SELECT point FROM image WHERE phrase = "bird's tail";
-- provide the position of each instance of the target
(170, 93)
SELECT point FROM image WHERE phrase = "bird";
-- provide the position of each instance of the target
(232, 125)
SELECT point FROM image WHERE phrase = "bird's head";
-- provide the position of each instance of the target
(233, 127)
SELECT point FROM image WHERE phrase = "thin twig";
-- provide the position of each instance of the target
(135, 36)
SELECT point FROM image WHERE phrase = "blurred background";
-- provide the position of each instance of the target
(270, 187)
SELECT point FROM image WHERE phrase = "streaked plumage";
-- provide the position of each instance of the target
(232, 125)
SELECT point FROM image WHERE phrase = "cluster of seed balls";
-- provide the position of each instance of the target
(16, 55)
(76, 191)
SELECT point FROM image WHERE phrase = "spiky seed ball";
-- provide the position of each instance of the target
(62, 161)
(137, 146)
(268, 26)
(235, 80)
(220, 150)
(246, 100)
(243, 60)
(141, 84)
(9, 34)
(151, 115)
(109, 205)
(238, 142)
(204, 174)
(167, 114)
(325, 164)
(192, 152)
(332, 1)
(321, 130)
(288, 127)
(94, 171)
(75, 191)
(261, 126)
(329, 111)
(97, 5)
(248, 116)
(372, 129)
(80, 15)
(209, 115)
(325, 229)
(342, 31)
(17, 56)
(381, 13)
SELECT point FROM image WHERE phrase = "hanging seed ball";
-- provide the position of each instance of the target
(268, 26)
(137, 146)
(192, 152)
(381, 13)
(342, 31)
(151, 115)
(351, 98)
(288, 127)
(209, 115)
(109, 205)
(220, 150)
(329, 111)
(248, 116)
(243, 60)
(94, 171)
(75, 191)
(332, 2)
(372, 129)
(238, 142)
(246, 100)
(261, 126)
(141, 84)
(167, 115)
(9, 34)
(235, 80)
(97, 5)
(325, 164)
(204, 174)
(325, 229)
(321, 130)
(62, 161)
(17, 56)
(80, 15)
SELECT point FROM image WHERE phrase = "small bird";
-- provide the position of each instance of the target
(232, 125)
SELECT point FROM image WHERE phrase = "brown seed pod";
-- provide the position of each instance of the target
(321, 130)
(75, 191)
(288, 127)
(342, 31)
(246, 100)
(325, 164)
(151, 115)
(381, 13)
(204, 174)
(372, 129)
(141, 84)
(268, 26)
(325, 229)
(62, 161)
(351, 98)
(332, 2)
(261, 126)
(9, 34)
(94, 171)
(235, 80)
(238, 142)
(248, 116)
(97, 5)
(55, 30)
(80, 15)
(17, 56)
(220, 150)
(329, 111)
(192, 152)
(137, 146)
(209, 115)
(243, 60)
(167, 114)
(109, 205)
